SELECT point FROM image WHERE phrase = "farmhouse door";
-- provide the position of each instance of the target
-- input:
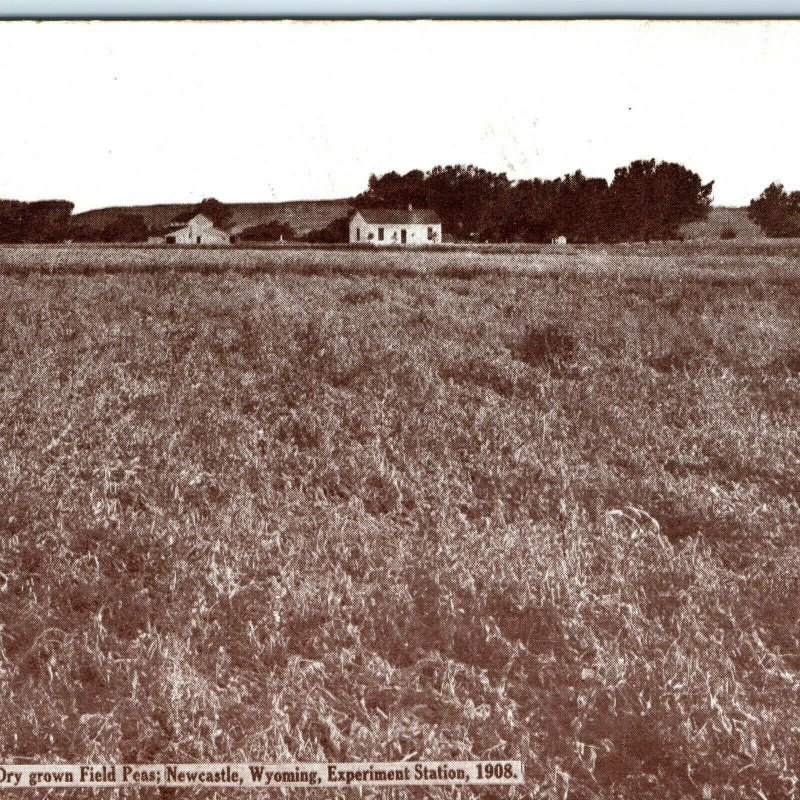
(403, 236)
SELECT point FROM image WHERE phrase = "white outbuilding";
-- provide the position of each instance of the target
(198, 229)
(391, 226)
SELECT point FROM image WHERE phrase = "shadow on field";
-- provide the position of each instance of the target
(547, 346)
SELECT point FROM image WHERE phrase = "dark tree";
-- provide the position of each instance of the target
(393, 190)
(271, 231)
(469, 199)
(335, 232)
(219, 213)
(40, 221)
(13, 214)
(48, 220)
(538, 210)
(581, 208)
(652, 200)
(531, 211)
(123, 227)
(776, 211)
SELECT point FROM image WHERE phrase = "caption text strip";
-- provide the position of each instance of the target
(320, 775)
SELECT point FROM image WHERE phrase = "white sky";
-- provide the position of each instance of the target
(126, 113)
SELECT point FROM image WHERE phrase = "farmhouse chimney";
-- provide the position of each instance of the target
(410, 207)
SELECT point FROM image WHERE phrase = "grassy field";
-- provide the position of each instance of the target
(771, 261)
(329, 506)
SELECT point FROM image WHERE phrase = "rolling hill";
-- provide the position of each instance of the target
(721, 218)
(302, 215)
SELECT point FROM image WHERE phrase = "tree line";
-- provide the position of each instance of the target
(39, 221)
(646, 200)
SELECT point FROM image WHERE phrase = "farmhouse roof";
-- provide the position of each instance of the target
(400, 216)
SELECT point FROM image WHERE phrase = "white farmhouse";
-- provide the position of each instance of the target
(388, 226)
(197, 229)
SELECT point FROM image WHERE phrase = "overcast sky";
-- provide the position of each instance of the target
(128, 113)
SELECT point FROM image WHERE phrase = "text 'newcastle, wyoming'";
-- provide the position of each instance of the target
(285, 776)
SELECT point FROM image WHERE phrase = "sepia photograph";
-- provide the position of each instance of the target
(400, 409)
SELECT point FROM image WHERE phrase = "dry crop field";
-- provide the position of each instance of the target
(752, 261)
(323, 507)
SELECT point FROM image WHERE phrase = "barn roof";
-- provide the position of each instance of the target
(185, 217)
(400, 216)
(182, 221)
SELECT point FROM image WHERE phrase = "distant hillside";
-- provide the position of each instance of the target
(720, 218)
(302, 215)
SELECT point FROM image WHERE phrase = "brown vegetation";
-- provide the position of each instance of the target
(263, 515)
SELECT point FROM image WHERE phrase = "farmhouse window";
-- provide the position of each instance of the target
(431, 235)
(380, 234)
(358, 234)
